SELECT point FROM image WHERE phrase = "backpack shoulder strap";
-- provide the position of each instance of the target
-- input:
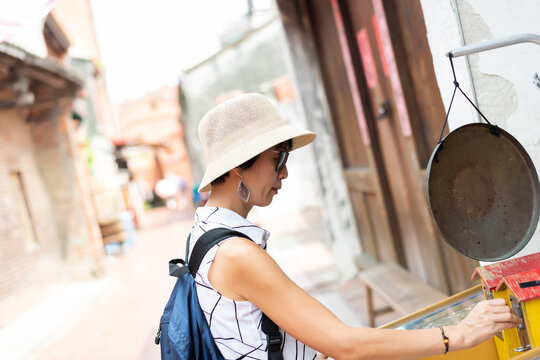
(205, 243)
(178, 267)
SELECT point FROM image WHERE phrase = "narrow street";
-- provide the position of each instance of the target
(122, 320)
(119, 315)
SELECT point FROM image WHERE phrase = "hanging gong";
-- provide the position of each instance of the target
(483, 192)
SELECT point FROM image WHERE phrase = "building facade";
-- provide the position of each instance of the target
(49, 233)
(49, 223)
(375, 73)
(154, 137)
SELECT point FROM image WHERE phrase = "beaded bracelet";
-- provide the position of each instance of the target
(446, 340)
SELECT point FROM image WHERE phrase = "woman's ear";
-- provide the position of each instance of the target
(237, 171)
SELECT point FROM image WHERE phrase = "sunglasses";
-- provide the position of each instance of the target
(282, 159)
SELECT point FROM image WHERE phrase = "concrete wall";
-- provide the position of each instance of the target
(243, 66)
(502, 78)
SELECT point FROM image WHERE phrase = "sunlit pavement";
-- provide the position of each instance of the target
(117, 316)
(122, 320)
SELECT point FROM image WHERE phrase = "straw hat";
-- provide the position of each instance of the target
(241, 128)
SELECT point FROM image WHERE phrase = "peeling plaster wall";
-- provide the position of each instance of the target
(502, 78)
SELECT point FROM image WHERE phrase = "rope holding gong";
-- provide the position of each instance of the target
(456, 87)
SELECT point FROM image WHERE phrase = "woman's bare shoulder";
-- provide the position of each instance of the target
(237, 249)
(237, 266)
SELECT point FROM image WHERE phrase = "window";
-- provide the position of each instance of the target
(22, 209)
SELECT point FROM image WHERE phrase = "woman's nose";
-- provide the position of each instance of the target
(283, 173)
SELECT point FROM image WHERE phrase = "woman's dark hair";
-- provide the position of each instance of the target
(248, 164)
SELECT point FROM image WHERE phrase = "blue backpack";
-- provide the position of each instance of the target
(183, 330)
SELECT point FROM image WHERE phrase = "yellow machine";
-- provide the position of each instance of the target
(523, 291)
(516, 281)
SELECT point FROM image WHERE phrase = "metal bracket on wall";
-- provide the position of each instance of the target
(494, 44)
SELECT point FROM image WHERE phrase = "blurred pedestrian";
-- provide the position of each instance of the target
(167, 189)
(199, 198)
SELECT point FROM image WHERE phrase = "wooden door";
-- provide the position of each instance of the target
(425, 110)
(385, 133)
(374, 212)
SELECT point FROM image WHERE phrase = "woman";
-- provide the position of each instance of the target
(247, 143)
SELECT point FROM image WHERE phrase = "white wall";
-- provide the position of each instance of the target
(502, 78)
(30, 38)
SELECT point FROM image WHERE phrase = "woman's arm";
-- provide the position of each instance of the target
(243, 271)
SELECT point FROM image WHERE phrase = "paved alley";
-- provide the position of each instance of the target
(117, 317)
(122, 320)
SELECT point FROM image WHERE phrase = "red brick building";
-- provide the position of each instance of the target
(151, 128)
(49, 229)
(47, 232)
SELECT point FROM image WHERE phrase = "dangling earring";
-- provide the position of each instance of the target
(243, 191)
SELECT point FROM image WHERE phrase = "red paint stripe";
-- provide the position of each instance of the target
(360, 117)
(367, 58)
(392, 68)
(386, 68)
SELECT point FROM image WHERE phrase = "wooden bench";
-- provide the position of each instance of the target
(112, 232)
(403, 292)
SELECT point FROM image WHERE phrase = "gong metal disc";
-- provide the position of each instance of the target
(483, 192)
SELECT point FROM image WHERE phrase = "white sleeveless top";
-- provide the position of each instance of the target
(235, 325)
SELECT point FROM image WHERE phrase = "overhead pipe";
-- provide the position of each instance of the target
(494, 44)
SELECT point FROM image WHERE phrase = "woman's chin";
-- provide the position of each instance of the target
(267, 202)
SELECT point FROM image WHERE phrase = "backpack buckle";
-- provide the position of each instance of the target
(274, 341)
(158, 335)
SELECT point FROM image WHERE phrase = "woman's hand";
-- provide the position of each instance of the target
(485, 320)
